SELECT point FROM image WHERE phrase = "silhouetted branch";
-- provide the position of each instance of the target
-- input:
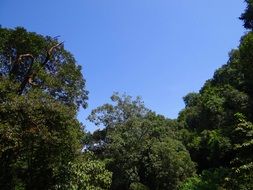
(31, 74)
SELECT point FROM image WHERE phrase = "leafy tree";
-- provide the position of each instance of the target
(212, 179)
(41, 88)
(246, 56)
(109, 115)
(170, 164)
(241, 176)
(145, 151)
(209, 128)
(247, 16)
(122, 109)
(87, 173)
(142, 150)
(138, 186)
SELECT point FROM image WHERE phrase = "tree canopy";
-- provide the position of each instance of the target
(247, 16)
(43, 146)
(41, 88)
(140, 147)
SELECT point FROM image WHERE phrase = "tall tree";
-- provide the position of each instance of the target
(41, 88)
(141, 149)
(247, 16)
(211, 117)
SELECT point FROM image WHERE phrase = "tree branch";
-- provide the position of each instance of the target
(25, 55)
(18, 61)
(49, 53)
(31, 74)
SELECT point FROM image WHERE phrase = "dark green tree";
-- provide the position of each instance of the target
(87, 173)
(212, 134)
(247, 16)
(122, 109)
(41, 88)
(241, 176)
(142, 149)
(108, 116)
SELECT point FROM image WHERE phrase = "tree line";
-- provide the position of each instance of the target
(43, 146)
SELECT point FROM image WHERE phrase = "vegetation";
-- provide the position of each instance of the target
(43, 146)
(41, 89)
(141, 147)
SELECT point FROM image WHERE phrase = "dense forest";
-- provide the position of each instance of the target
(43, 146)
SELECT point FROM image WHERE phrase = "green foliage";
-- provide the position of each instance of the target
(241, 176)
(43, 60)
(247, 16)
(34, 134)
(142, 150)
(120, 111)
(41, 89)
(246, 56)
(138, 186)
(109, 115)
(217, 121)
(170, 164)
(88, 174)
(208, 180)
(191, 183)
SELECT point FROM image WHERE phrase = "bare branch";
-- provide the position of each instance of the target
(30, 81)
(49, 53)
(16, 63)
(52, 48)
(25, 55)
(56, 37)
(30, 73)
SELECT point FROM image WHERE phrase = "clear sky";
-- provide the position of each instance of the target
(158, 49)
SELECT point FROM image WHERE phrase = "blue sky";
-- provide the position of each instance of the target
(158, 49)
